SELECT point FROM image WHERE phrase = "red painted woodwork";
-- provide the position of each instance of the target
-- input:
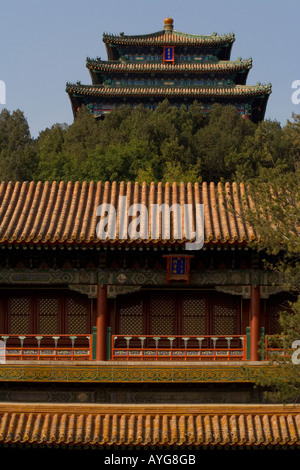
(254, 321)
(32, 347)
(101, 324)
(150, 347)
(41, 311)
(178, 276)
(177, 313)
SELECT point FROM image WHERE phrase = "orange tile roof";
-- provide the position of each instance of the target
(49, 213)
(150, 425)
(201, 67)
(169, 38)
(152, 91)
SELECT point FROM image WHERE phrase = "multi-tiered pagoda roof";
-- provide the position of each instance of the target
(169, 64)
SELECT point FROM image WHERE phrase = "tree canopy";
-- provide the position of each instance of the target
(167, 144)
(276, 198)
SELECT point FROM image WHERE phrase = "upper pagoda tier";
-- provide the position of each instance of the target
(147, 69)
(214, 45)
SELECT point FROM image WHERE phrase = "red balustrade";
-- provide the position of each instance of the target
(47, 347)
(175, 347)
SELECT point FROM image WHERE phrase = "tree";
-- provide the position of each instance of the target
(117, 162)
(291, 136)
(17, 155)
(49, 150)
(221, 138)
(272, 207)
(137, 143)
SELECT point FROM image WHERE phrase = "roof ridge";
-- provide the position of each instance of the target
(165, 33)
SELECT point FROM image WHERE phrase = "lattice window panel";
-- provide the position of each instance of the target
(131, 320)
(225, 317)
(277, 304)
(162, 316)
(76, 317)
(193, 316)
(19, 315)
(48, 316)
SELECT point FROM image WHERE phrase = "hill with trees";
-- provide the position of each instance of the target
(167, 144)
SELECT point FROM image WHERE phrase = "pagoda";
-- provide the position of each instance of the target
(168, 64)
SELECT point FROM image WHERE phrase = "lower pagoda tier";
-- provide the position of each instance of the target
(249, 101)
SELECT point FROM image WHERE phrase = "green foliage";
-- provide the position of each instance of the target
(18, 159)
(291, 137)
(281, 378)
(275, 194)
(220, 142)
(266, 148)
(276, 219)
(167, 144)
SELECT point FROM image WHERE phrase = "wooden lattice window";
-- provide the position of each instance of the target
(178, 313)
(194, 316)
(276, 304)
(19, 317)
(131, 319)
(40, 312)
(225, 315)
(76, 316)
(48, 310)
(162, 315)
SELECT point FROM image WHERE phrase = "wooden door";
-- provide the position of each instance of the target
(38, 311)
(178, 313)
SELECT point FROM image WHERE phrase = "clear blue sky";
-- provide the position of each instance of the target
(44, 44)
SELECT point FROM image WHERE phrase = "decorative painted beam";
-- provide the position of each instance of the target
(123, 277)
(108, 372)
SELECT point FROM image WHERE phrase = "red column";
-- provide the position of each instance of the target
(254, 321)
(101, 322)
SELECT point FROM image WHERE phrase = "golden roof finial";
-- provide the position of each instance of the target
(168, 24)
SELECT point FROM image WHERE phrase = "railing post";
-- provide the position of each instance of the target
(262, 342)
(248, 343)
(108, 336)
(94, 342)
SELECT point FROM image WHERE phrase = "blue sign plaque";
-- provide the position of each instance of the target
(169, 54)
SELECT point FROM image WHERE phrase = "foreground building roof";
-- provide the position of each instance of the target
(65, 213)
(150, 425)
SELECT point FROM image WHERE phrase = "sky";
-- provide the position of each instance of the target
(44, 44)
